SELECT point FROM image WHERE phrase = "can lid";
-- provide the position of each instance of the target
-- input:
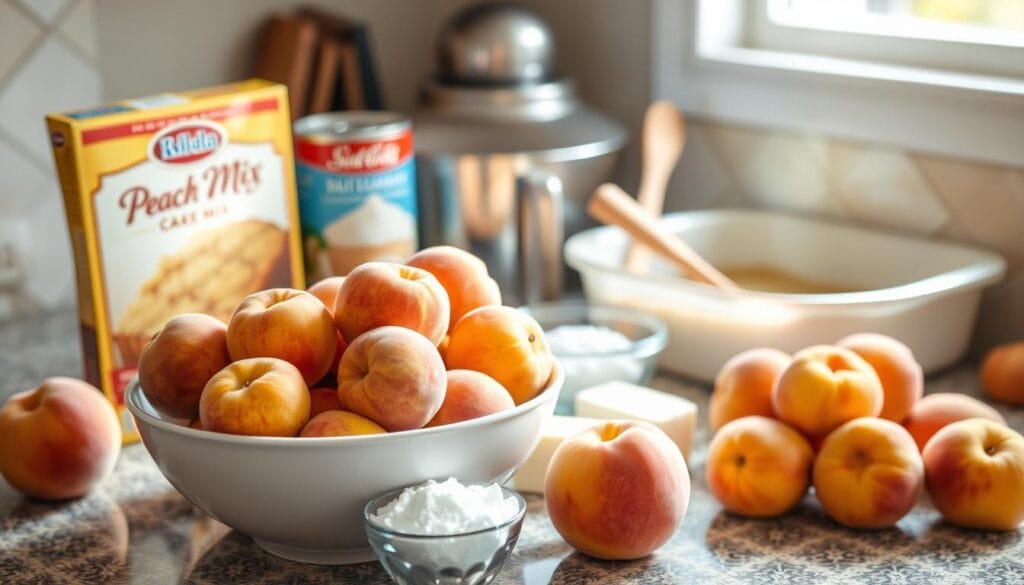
(355, 124)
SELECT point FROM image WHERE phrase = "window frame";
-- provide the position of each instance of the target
(703, 60)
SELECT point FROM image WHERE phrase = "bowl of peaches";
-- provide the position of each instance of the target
(285, 421)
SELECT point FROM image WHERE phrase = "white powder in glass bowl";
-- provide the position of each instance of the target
(583, 350)
(445, 508)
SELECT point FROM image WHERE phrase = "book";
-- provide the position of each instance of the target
(287, 50)
(325, 78)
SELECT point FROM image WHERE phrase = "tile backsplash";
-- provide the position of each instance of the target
(909, 192)
(47, 63)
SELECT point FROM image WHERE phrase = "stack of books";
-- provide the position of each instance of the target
(325, 60)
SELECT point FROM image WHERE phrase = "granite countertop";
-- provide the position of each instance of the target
(135, 528)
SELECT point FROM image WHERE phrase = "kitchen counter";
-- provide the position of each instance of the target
(135, 528)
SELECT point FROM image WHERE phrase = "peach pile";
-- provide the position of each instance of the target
(879, 443)
(353, 355)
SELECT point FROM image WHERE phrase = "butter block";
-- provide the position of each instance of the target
(530, 476)
(673, 414)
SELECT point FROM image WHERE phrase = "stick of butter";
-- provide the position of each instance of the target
(530, 476)
(673, 414)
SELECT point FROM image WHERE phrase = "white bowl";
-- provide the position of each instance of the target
(922, 292)
(303, 498)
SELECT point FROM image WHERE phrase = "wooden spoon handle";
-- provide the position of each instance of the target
(664, 137)
(611, 205)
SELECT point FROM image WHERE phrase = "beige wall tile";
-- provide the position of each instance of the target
(988, 202)
(884, 187)
(16, 35)
(45, 10)
(776, 170)
(701, 179)
(54, 78)
(79, 26)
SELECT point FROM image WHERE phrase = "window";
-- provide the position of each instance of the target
(942, 76)
(969, 36)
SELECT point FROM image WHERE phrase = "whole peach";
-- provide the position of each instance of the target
(1002, 373)
(58, 440)
(392, 376)
(327, 291)
(743, 386)
(323, 399)
(288, 324)
(463, 276)
(507, 345)
(339, 423)
(178, 362)
(617, 491)
(824, 387)
(376, 294)
(256, 396)
(935, 411)
(901, 376)
(868, 473)
(757, 466)
(470, 395)
(974, 471)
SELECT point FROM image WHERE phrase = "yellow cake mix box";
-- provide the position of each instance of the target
(180, 202)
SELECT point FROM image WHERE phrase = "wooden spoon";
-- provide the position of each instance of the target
(611, 205)
(664, 137)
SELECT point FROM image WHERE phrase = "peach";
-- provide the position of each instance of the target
(868, 473)
(339, 423)
(392, 376)
(376, 294)
(618, 490)
(470, 395)
(507, 345)
(901, 376)
(327, 291)
(1002, 373)
(256, 396)
(196, 424)
(935, 411)
(178, 362)
(743, 386)
(757, 466)
(58, 440)
(287, 324)
(323, 399)
(463, 276)
(974, 471)
(824, 387)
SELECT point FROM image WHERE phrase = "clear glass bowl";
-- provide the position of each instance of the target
(583, 369)
(465, 559)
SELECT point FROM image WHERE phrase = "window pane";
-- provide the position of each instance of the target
(939, 19)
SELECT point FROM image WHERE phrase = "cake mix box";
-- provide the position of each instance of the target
(181, 202)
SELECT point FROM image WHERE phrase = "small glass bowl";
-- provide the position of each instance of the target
(635, 364)
(466, 559)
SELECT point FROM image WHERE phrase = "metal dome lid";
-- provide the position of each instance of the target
(495, 92)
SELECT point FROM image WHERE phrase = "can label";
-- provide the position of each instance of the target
(357, 201)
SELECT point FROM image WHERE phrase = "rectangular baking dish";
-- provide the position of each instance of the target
(922, 292)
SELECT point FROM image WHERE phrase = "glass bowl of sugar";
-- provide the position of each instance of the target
(596, 344)
(444, 532)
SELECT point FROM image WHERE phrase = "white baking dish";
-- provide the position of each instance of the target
(922, 292)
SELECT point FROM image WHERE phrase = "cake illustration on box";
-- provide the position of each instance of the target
(211, 273)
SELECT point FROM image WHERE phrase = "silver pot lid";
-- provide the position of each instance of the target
(495, 92)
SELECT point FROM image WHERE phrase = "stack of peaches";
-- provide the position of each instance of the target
(390, 347)
(850, 420)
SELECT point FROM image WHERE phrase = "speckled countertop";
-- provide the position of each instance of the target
(135, 528)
